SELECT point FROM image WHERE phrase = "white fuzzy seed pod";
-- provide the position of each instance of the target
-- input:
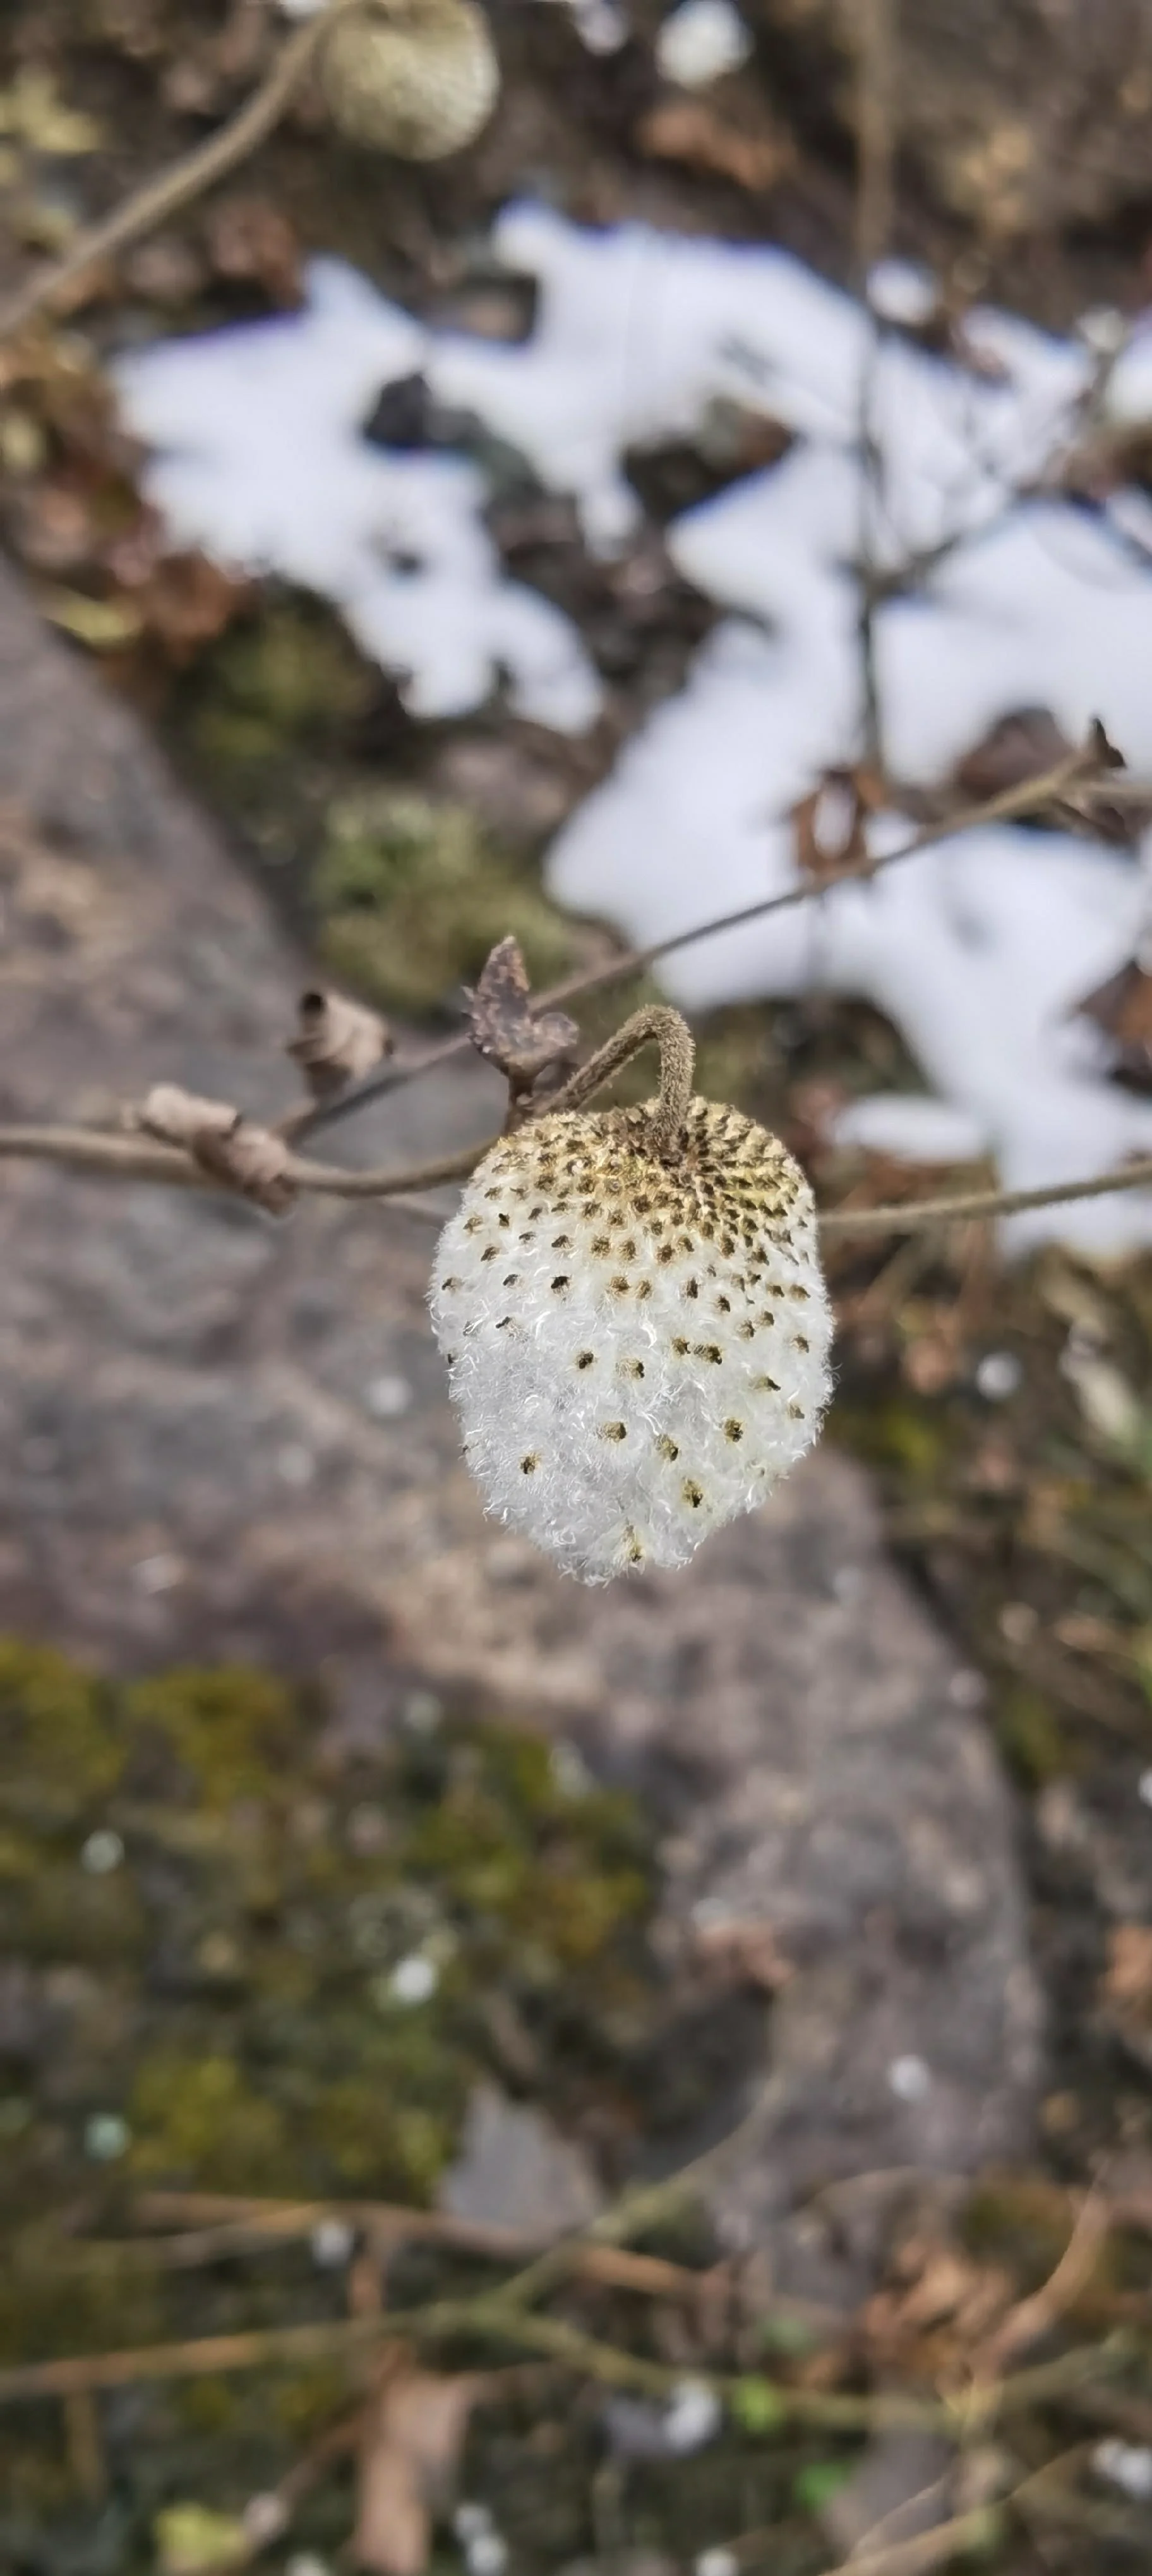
(637, 1342)
(418, 78)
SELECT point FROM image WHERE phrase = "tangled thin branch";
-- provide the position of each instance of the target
(181, 1142)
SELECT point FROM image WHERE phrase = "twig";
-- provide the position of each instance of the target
(210, 2353)
(119, 1158)
(919, 1213)
(875, 133)
(486, 2320)
(1006, 807)
(1035, 2316)
(180, 182)
(928, 2549)
(124, 1158)
(493, 2319)
(264, 2230)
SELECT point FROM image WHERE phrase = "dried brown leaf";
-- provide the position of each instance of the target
(829, 826)
(1122, 1007)
(413, 2435)
(338, 1042)
(742, 145)
(744, 1953)
(1017, 747)
(1128, 1976)
(187, 602)
(224, 1143)
(1027, 743)
(248, 238)
(504, 1029)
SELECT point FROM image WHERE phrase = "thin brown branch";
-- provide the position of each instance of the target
(179, 183)
(125, 1158)
(106, 1156)
(209, 2353)
(261, 2228)
(1035, 2316)
(485, 2319)
(875, 153)
(119, 1158)
(1008, 806)
(939, 2547)
(919, 1213)
(876, 60)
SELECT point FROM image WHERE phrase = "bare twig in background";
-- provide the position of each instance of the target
(180, 183)
(920, 1213)
(928, 2549)
(124, 1158)
(1035, 2316)
(1009, 806)
(120, 1158)
(875, 36)
(494, 2318)
(874, 29)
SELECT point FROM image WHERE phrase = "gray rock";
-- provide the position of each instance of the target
(190, 1414)
(515, 2170)
(900, 2489)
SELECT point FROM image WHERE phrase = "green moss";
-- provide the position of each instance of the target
(200, 2121)
(411, 898)
(229, 1729)
(59, 1737)
(1031, 1736)
(230, 1998)
(286, 678)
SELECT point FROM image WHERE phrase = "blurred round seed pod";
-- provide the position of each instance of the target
(418, 78)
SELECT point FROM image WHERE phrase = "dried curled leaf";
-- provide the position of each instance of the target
(1027, 743)
(505, 1029)
(413, 2435)
(338, 1042)
(743, 144)
(245, 1157)
(1122, 1007)
(830, 824)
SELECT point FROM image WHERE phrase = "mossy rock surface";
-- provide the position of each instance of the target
(211, 1935)
(410, 897)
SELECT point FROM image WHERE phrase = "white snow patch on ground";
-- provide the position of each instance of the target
(978, 949)
(261, 461)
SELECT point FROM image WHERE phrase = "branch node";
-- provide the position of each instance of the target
(223, 1143)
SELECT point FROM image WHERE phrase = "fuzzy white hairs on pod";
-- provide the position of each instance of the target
(637, 1335)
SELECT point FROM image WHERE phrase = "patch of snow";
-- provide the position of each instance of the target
(902, 292)
(1127, 2465)
(998, 1376)
(701, 40)
(980, 948)
(911, 1127)
(260, 460)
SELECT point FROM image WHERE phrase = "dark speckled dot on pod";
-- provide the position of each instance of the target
(418, 78)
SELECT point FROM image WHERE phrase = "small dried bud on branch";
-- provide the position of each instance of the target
(339, 1042)
(830, 824)
(224, 1143)
(504, 1030)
